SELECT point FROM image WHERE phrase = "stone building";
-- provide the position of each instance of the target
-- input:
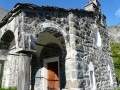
(51, 48)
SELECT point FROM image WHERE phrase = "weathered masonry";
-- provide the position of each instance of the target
(51, 48)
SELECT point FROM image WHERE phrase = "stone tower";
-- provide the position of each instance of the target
(51, 48)
(93, 5)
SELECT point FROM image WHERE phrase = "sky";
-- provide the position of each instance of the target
(111, 8)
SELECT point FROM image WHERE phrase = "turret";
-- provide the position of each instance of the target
(94, 6)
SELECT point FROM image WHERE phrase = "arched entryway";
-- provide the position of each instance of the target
(7, 40)
(7, 43)
(48, 63)
(50, 57)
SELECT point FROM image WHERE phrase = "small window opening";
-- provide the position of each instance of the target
(110, 75)
(92, 76)
(97, 37)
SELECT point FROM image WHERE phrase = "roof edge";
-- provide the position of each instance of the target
(19, 6)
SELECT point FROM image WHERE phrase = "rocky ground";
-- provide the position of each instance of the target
(3, 12)
(114, 33)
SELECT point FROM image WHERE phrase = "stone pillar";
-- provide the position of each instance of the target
(71, 64)
(24, 71)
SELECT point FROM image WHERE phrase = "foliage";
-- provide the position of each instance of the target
(8, 89)
(115, 48)
(118, 88)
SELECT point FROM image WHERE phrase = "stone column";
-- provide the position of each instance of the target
(24, 71)
(71, 63)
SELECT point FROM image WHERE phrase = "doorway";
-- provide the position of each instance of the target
(51, 74)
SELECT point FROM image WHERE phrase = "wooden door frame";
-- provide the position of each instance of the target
(48, 60)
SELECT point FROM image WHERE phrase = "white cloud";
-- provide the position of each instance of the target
(117, 13)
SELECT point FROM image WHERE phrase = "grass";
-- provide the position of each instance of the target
(115, 48)
(8, 89)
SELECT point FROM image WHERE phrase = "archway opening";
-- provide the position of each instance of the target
(50, 56)
(48, 59)
(7, 40)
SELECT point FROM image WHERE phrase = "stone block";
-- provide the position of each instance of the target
(76, 89)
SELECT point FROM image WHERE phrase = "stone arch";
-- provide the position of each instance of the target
(50, 27)
(58, 42)
(7, 40)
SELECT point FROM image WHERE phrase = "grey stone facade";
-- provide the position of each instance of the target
(79, 38)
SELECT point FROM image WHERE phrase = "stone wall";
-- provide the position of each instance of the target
(83, 40)
(10, 75)
(83, 49)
